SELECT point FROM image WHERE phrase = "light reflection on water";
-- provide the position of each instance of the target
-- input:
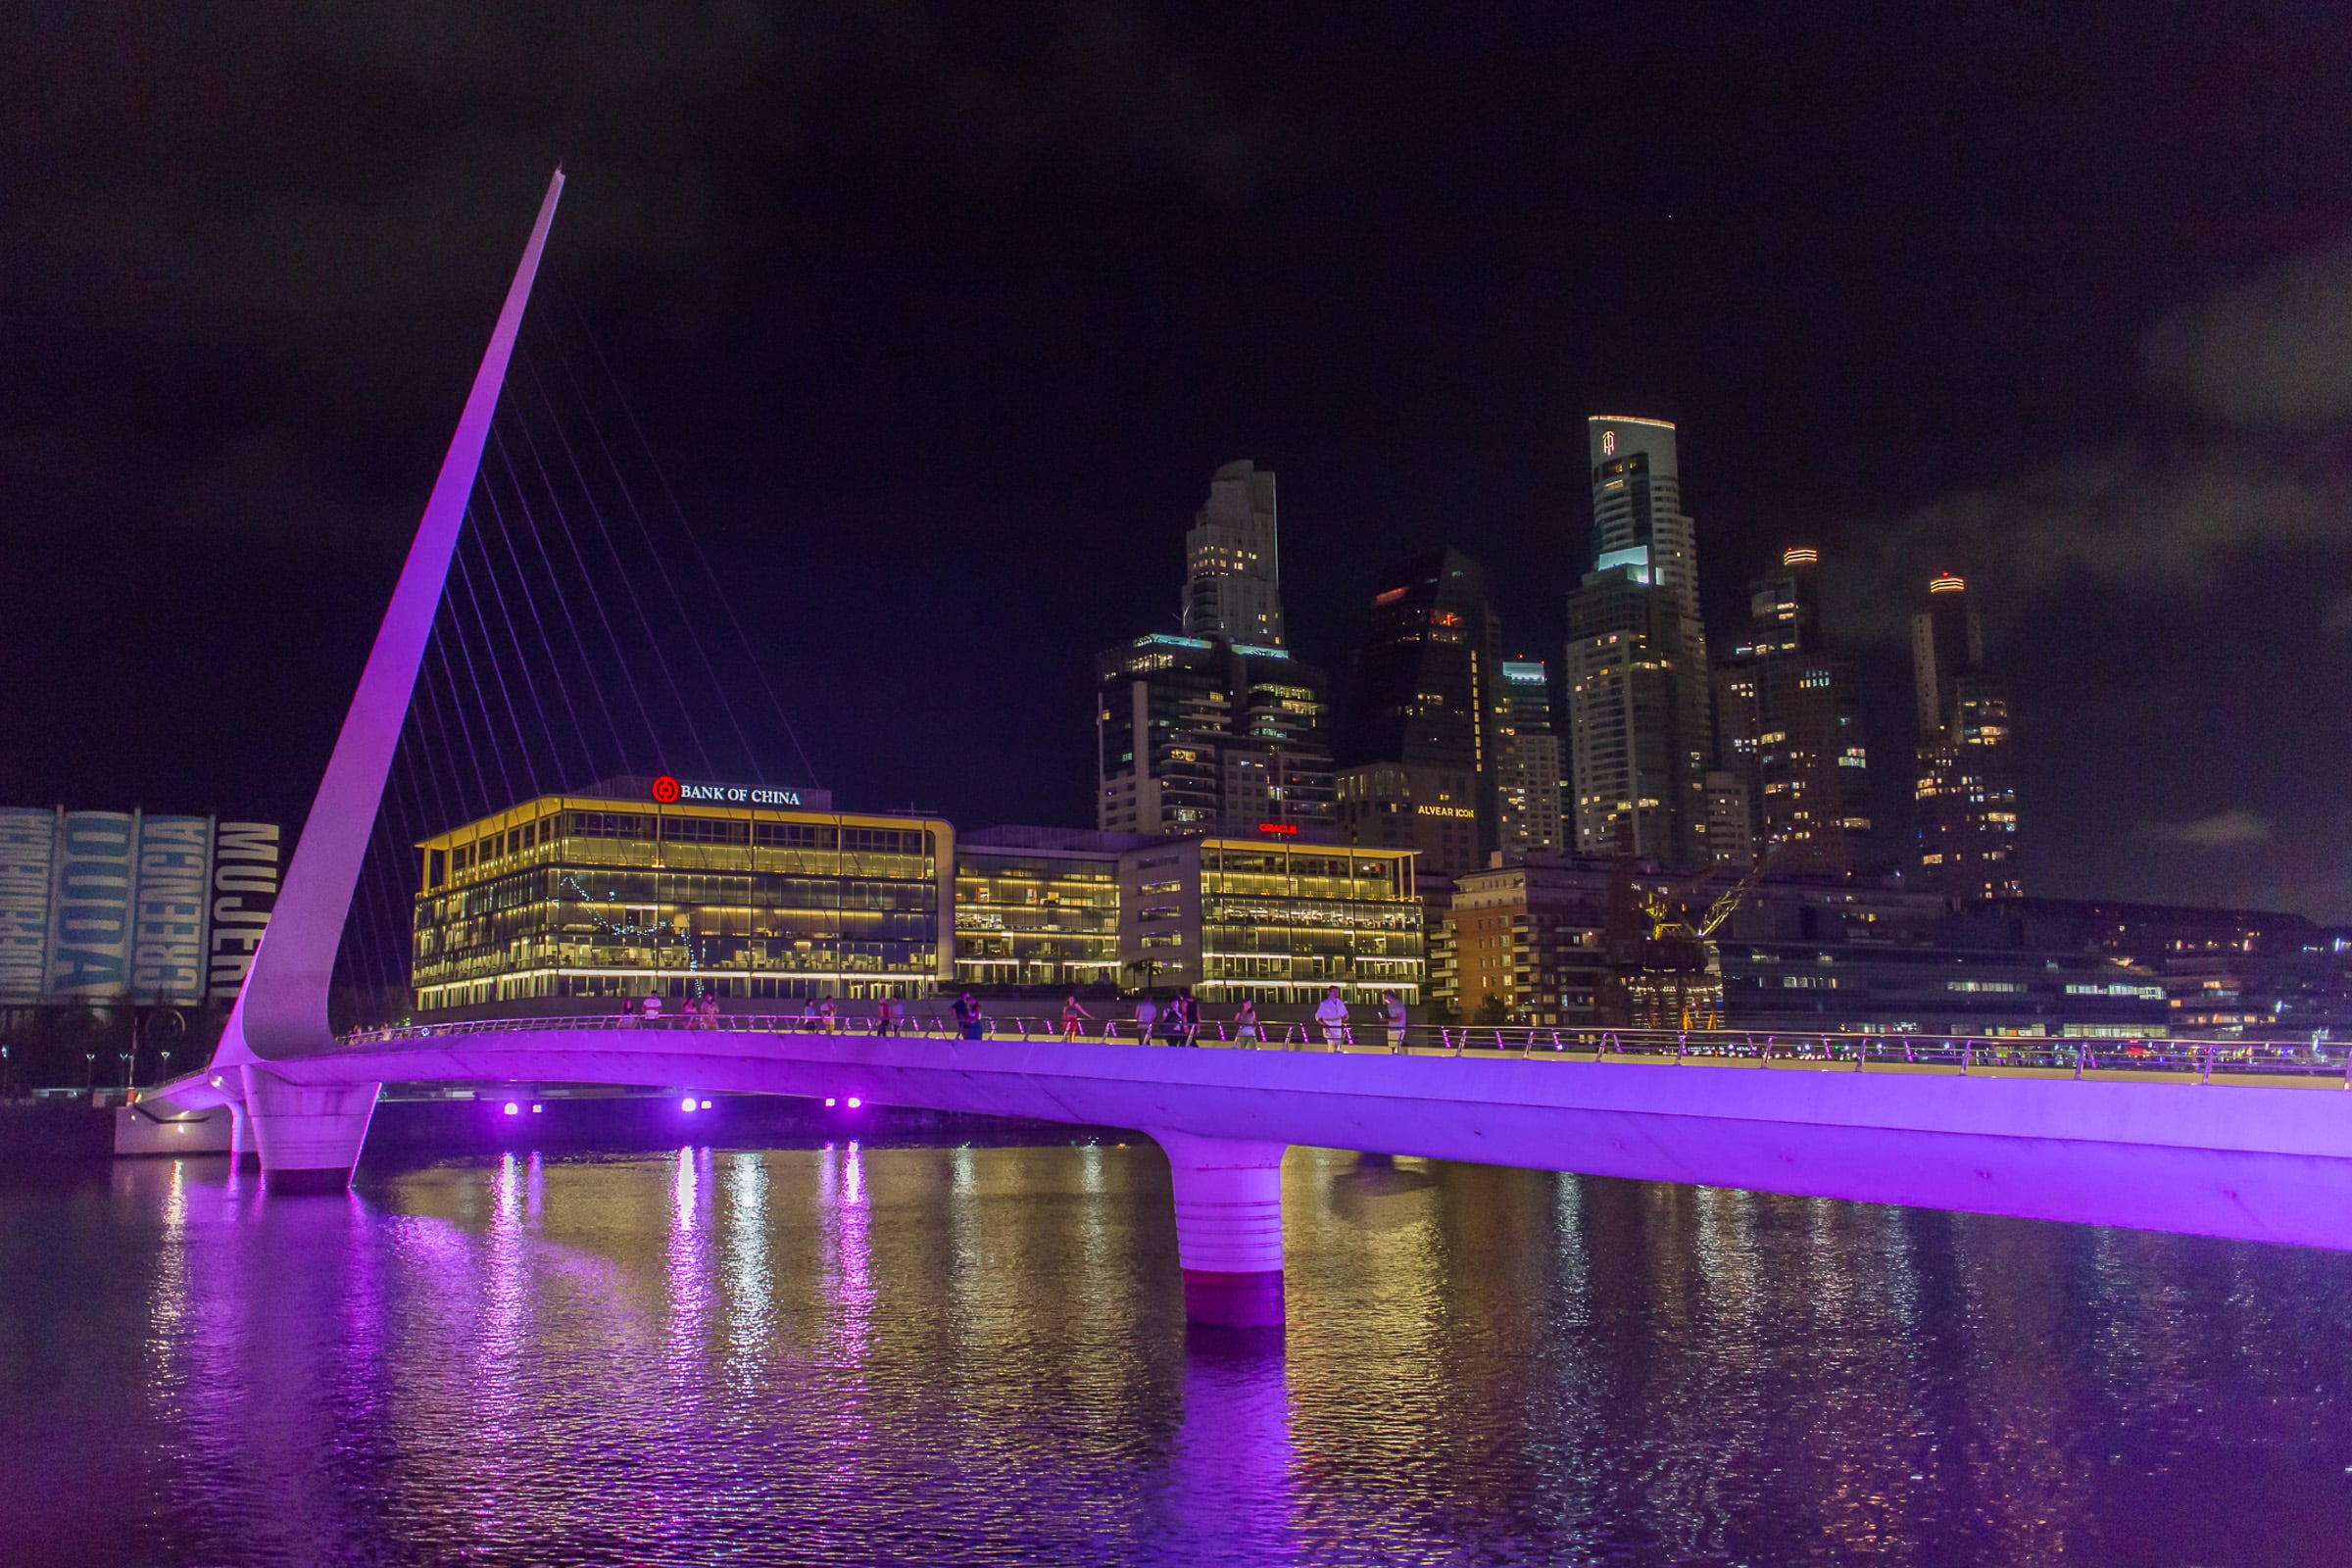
(866, 1354)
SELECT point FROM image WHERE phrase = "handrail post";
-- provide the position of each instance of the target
(2206, 1076)
(1682, 1047)
(2080, 1050)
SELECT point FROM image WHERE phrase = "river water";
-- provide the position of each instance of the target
(977, 1354)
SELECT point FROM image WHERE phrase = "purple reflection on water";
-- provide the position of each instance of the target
(1232, 1474)
(692, 1290)
(846, 1221)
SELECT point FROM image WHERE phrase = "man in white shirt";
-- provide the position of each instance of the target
(1331, 1015)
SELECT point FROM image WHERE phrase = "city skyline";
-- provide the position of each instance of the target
(2077, 391)
(1142, 784)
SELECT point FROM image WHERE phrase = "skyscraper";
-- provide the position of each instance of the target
(1527, 763)
(1966, 798)
(1219, 729)
(1635, 666)
(1233, 575)
(1419, 742)
(1789, 721)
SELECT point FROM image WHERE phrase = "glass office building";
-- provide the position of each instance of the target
(605, 894)
(1270, 919)
(1038, 908)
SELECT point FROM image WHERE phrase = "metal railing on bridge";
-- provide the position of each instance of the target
(2315, 1064)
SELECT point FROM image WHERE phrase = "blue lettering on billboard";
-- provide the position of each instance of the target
(244, 891)
(166, 942)
(27, 847)
(89, 919)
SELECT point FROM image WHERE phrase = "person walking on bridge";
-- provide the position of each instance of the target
(1147, 1013)
(1394, 1017)
(653, 1007)
(967, 1016)
(1072, 1014)
(1188, 1013)
(1331, 1015)
(1245, 1023)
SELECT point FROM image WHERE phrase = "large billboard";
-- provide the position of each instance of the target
(169, 901)
(244, 891)
(28, 850)
(102, 909)
(89, 909)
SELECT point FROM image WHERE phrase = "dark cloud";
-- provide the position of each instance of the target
(2125, 520)
(2277, 351)
(2230, 829)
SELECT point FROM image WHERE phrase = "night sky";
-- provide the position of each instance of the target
(938, 325)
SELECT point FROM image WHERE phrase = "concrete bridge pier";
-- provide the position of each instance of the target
(1228, 1228)
(308, 1137)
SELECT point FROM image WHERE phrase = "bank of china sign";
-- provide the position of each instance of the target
(668, 791)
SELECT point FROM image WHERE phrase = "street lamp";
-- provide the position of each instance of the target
(89, 1074)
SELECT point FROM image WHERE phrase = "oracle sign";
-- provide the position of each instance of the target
(1286, 829)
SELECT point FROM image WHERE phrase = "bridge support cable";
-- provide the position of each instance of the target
(522, 662)
(613, 641)
(702, 556)
(1228, 1228)
(658, 556)
(551, 580)
(506, 692)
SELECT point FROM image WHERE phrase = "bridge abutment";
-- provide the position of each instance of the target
(308, 1137)
(1228, 1228)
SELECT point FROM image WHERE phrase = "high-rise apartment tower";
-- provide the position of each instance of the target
(1218, 729)
(1233, 573)
(1636, 673)
(1527, 763)
(1420, 742)
(1966, 797)
(1788, 722)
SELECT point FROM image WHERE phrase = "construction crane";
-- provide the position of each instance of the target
(1665, 972)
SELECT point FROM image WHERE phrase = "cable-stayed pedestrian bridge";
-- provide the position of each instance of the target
(2215, 1142)
(2212, 1138)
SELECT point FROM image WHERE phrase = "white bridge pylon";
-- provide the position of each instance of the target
(280, 1011)
(309, 1137)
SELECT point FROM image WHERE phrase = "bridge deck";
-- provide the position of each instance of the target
(2249, 1153)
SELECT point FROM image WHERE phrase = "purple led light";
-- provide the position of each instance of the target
(855, 1102)
(536, 1109)
(512, 1107)
(829, 1099)
(687, 1104)
(706, 1104)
